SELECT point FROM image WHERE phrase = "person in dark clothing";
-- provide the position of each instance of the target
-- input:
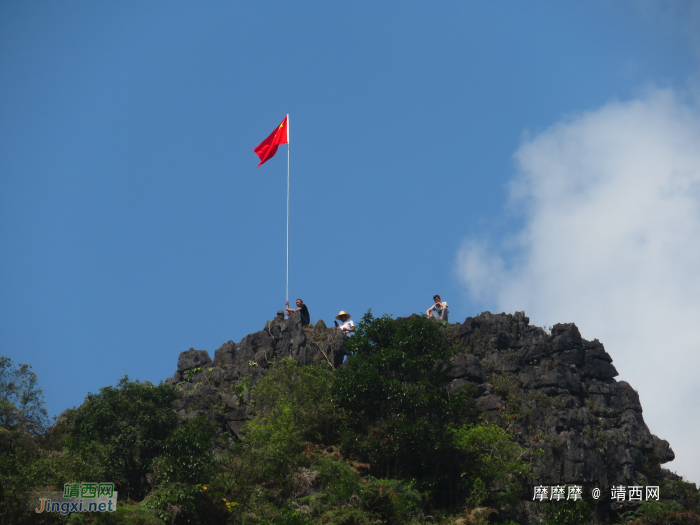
(302, 309)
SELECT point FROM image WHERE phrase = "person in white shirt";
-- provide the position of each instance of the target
(438, 310)
(348, 325)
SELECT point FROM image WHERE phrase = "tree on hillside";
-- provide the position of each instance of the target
(130, 423)
(407, 423)
(401, 414)
(21, 399)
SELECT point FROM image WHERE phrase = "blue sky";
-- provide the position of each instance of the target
(430, 145)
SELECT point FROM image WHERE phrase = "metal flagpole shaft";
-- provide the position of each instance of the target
(287, 289)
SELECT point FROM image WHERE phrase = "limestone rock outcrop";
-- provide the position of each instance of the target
(220, 389)
(563, 390)
(559, 388)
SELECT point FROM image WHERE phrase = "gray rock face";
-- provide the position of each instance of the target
(561, 390)
(192, 359)
(557, 390)
(221, 389)
(467, 366)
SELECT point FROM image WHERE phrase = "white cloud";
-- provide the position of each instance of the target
(611, 241)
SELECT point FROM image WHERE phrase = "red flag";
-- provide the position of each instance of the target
(268, 147)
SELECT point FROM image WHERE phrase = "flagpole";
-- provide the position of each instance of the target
(287, 289)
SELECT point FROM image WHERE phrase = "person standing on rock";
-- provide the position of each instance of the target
(302, 309)
(348, 325)
(438, 311)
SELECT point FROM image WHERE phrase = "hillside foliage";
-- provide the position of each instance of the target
(381, 440)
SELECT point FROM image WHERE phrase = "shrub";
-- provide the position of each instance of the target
(294, 406)
(122, 516)
(652, 512)
(300, 396)
(568, 512)
(492, 464)
(55, 468)
(187, 453)
(131, 421)
(180, 503)
(373, 500)
(21, 399)
(22, 419)
(394, 390)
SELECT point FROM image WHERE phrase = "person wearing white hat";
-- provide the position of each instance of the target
(348, 325)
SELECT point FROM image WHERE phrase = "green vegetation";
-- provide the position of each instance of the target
(681, 507)
(130, 435)
(128, 426)
(568, 513)
(22, 420)
(401, 417)
(21, 399)
(383, 439)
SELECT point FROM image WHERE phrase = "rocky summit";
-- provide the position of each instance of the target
(220, 389)
(564, 387)
(555, 387)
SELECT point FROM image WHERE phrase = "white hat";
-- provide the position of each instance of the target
(341, 314)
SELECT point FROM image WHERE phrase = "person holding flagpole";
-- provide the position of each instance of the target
(303, 312)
